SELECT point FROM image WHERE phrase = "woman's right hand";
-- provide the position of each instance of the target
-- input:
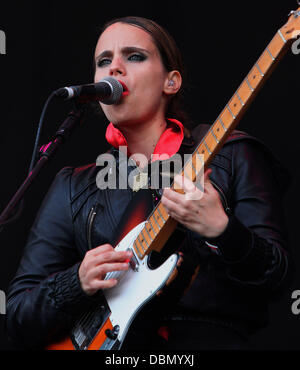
(97, 263)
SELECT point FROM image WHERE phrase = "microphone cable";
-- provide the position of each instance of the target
(18, 210)
(39, 131)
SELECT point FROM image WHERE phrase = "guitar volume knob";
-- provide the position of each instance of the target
(113, 333)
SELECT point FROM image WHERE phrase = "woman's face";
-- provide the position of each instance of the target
(128, 54)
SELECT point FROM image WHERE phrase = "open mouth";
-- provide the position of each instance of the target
(125, 89)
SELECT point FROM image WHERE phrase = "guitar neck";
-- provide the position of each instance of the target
(242, 98)
(160, 225)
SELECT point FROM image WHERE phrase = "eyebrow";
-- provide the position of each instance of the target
(125, 51)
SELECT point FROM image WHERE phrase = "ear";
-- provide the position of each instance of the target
(173, 83)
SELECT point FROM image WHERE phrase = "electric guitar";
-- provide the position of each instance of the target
(105, 327)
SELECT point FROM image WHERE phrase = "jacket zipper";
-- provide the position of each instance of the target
(223, 196)
(91, 218)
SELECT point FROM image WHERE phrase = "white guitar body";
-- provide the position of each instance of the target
(135, 288)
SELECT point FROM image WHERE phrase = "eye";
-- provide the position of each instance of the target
(103, 62)
(137, 57)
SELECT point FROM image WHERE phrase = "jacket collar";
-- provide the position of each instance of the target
(168, 144)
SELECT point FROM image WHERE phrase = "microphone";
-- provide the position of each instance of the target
(108, 91)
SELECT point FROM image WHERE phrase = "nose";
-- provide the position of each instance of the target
(117, 68)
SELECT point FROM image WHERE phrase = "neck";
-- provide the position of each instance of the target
(142, 139)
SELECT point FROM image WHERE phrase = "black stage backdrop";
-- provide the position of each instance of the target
(51, 44)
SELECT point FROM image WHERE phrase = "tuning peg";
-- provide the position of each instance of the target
(295, 13)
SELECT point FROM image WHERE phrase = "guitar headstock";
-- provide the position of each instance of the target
(291, 30)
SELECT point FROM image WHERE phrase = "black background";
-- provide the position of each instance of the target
(51, 44)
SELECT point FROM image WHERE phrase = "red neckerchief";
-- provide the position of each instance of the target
(168, 143)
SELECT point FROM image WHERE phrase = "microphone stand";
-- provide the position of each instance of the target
(73, 120)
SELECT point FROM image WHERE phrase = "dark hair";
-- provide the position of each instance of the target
(170, 55)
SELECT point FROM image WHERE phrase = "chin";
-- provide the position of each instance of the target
(122, 120)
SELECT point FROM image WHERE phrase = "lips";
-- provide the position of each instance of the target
(125, 89)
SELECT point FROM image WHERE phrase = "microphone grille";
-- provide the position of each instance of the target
(116, 90)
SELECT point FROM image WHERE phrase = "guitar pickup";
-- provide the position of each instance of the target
(88, 326)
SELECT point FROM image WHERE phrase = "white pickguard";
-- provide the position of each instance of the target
(134, 289)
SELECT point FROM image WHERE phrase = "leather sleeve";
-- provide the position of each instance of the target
(254, 245)
(45, 296)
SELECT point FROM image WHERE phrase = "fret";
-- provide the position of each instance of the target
(281, 35)
(264, 63)
(162, 217)
(195, 165)
(241, 101)
(244, 92)
(216, 139)
(224, 128)
(193, 168)
(163, 212)
(226, 117)
(218, 130)
(207, 148)
(152, 228)
(199, 156)
(141, 243)
(148, 234)
(188, 172)
(270, 54)
(276, 45)
(156, 221)
(137, 249)
(198, 162)
(254, 78)
(144, 238)
(259, 70)
(248, 83)
(233, 116)
(203, 152)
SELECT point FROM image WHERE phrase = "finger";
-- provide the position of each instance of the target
(99, 272)
(112, 256)
(207, 173)
(176, 210)
(170, 201)
(184, 183)
(192, 190)
(101, 249)
(203, 183)
(109, 267)
(104, 284)
(172, 195)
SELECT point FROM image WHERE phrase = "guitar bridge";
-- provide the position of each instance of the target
(88, 326)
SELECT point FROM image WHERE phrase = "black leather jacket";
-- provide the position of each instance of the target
(232, 285)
